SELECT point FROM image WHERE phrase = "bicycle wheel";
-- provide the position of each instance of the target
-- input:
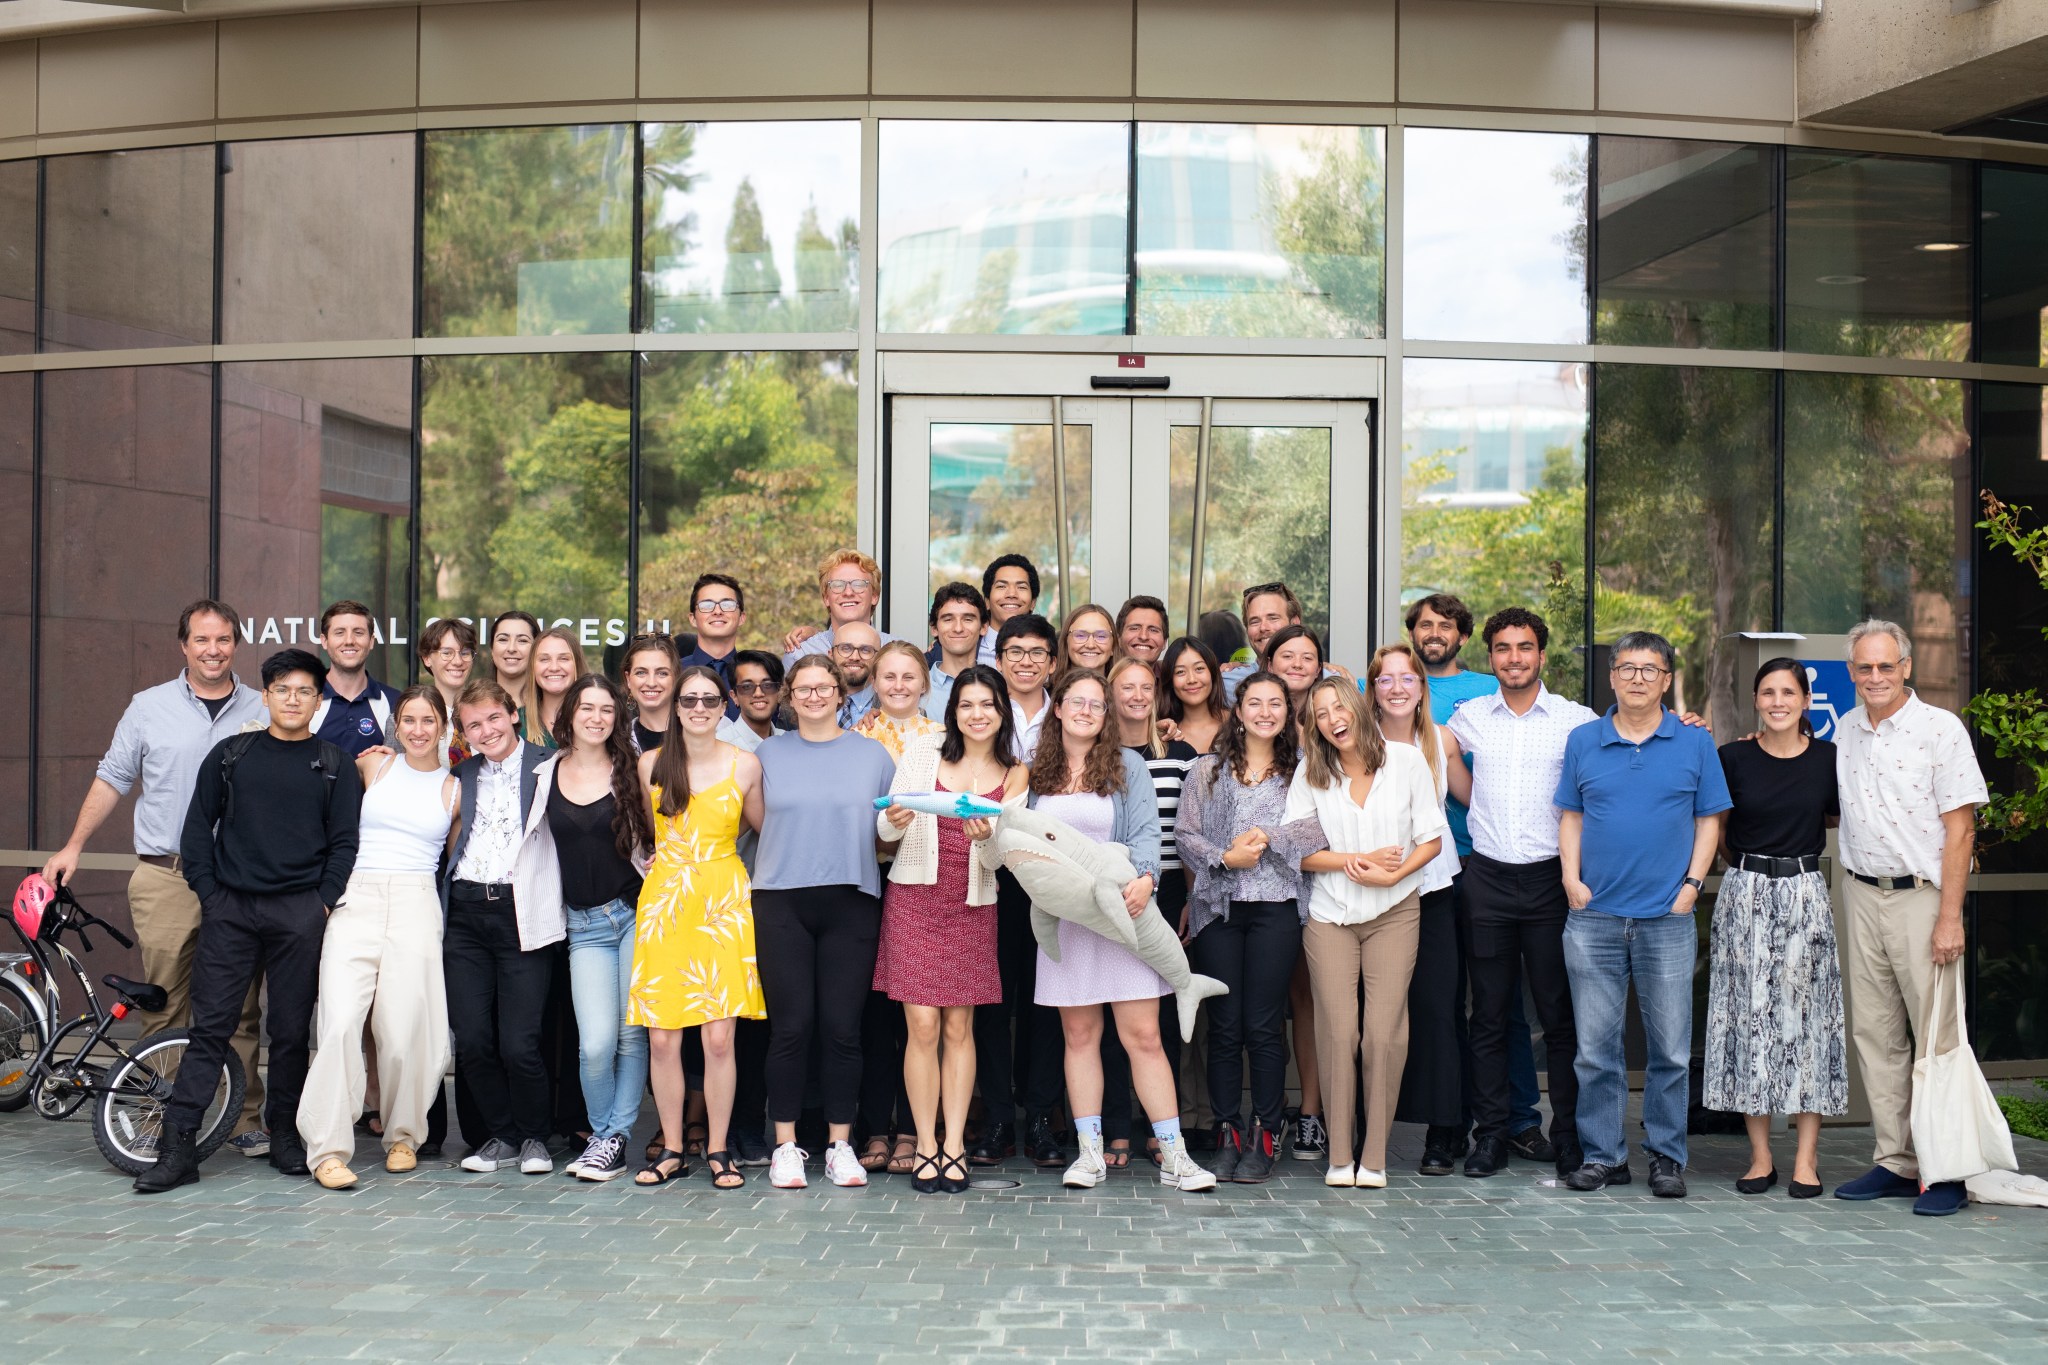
(21, 1038)
(128, 1123)
(67, 1082)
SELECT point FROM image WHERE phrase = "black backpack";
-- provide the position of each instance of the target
(330, 764)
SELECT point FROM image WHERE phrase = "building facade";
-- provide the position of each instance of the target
(457, 308)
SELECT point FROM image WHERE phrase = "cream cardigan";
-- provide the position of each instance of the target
(917, 848)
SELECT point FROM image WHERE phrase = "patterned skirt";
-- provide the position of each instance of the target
(1774, 1010)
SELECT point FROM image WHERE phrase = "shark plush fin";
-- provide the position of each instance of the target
(1116, 923)
(1046, 929)
(1188, 1000)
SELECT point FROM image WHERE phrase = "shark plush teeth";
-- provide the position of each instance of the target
(1072, 877)
(952, 805)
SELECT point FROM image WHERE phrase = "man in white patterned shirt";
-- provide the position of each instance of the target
(504, 914)
(1513, 909)
(1910, 788)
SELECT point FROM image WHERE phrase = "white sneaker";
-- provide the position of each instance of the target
(1088, 1170)
(1343, 1177)
(534, 1158)
(786, 1167)
(1371, 1180)
(1181, 1171)
(490, 1156)
(590, 1151)
(843, 1167)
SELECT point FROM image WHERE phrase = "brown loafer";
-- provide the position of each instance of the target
(401, 1157)
(334, 1174)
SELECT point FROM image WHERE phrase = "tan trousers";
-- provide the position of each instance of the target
(381, 961)
(1889, 954)
(1381, 954)
(166, 916)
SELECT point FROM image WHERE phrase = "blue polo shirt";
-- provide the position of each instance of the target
(1446, 695)
(1640, 801)
(353, 726)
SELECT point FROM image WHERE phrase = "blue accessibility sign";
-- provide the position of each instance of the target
(1834, 696)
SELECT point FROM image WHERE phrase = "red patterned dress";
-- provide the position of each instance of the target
(936, 949)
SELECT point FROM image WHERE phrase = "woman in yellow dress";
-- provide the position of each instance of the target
(693, 954)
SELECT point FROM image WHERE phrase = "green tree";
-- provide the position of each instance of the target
(827, 271)
(753, 286)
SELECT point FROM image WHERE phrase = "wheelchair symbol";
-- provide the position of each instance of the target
(1820, 710)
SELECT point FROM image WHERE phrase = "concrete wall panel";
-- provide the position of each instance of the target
(713, 49)
(319, 63)
(131, 78)
(530, 52)
(1705, 66)
(17, 89)
(1473, 52)
(1333, 51)
(1054, 48)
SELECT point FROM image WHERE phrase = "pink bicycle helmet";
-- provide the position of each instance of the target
(33, 901)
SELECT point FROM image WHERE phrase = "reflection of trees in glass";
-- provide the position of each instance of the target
(1683, 519)
(747, 468)
(1325, 231)
(1268, 517)
(527, 231)
(991, 494)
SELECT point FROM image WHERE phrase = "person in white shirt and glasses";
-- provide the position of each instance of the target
(1513, 910)
(1910, 788)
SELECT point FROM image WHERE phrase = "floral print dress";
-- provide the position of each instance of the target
(693, 952)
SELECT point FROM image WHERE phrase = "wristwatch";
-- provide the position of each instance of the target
(1695, 883)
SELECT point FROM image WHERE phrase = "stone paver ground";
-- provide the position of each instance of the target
(441, 1265)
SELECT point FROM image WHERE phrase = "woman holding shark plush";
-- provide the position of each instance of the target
(938, 945)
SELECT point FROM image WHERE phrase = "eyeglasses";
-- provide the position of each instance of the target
(1081, 706)
(848, 584)
(284, 693)
(751, 689)
(1019, 654)
(855, 651)
(811, 692)
(1089, 637)
(1392, 680)
(697, 701)
(1647, 672)
(721, 604)
(1873, 670)
(450, 655)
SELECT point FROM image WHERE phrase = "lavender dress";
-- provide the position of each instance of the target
(1092, 970)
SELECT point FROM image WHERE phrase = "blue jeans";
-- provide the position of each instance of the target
(1603, 954)
(612, 1054)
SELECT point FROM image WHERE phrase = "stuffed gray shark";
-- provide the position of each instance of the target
(1072, 877)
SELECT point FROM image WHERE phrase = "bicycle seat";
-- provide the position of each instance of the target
(145, 997)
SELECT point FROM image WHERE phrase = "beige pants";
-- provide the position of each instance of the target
(1381, 954)
(166, 916)
(1890, 959)
(380, 960)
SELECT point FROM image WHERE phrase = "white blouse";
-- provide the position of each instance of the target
(1402, 809)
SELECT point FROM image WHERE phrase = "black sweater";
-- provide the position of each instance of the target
(293, 828)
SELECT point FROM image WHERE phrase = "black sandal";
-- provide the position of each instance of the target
(925, 1176)
(662, 1177)
(695, 1136)
(725, 1172)
(955, 1179)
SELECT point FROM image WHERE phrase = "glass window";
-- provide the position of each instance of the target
(319, 210)
(1268, 517)
(316, 499)
(1011, 227)
(751, 227)
(2012, 655)
(1495, 236)
(747, 468)
(1688, 243)
(1684, 484)
(17, 413)
(1878, 515)
(2013, 304)
(992, 494)
(1261, 230)
(2009, 943)
(17, 257)
(527, 231)
(127, 468)
(1493, 495)
(1877, 255)
(524, 489)
(128, 249)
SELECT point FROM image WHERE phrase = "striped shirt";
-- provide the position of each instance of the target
(1168, 772)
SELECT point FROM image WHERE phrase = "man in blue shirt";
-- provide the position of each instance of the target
(1438, 627)
(1641, 796)
(355, 709)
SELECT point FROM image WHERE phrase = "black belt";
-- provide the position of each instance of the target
(1777, 867)
(479, 891)
(1908, 883)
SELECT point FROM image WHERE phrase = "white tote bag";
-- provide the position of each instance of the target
(1958, 1128)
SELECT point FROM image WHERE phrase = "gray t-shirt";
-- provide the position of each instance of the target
(818, 826)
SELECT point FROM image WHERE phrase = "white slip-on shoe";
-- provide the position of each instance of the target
(786, 1167)
(1371, 1180)
(1342, 1177)
(1088, 1169)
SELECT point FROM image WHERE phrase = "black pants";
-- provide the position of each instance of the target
(750, 1092)
(884, 1100)
(1253, 952)
(817, 956)
(497, 998)
(467, 1119)
(1514, 916)
(243, 937)
(1433, 1083)
(560, 1049)
(1026, 1062)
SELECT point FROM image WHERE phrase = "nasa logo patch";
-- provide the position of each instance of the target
(366, 726)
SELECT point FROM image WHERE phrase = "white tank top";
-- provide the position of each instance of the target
(404, 824)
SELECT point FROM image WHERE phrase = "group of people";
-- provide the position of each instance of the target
(693, 879)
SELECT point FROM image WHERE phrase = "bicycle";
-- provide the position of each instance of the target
(132, 1087)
